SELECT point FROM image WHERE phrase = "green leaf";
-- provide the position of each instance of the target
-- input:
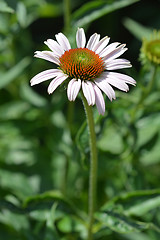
(15, 220)
(143, 207)
(22, 14)
(16, 182)
(120, 223)
(33, 202)
(15, 148)
(82, 138)
(14, 72)
(31, 96)
(137, 236)
(138, 30)
(135, 203)
(93, 10)
(50, 195)
(70, 224)
(51, 230)
(147, 127)
(13, 110)
(151, 156)
(111, 140)
(5, 8)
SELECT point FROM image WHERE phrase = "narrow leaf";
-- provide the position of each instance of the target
(22, 14)
(31, 96)
(122, 224)
(13, 110)
(93, 10)
(135, 203)
(34, 202)
(50, 195)
(138, 30)
(5, 8)
(14, 72)
(143, 207)
(127, 197)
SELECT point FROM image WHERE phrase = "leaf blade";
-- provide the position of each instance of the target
(14, 72)
(94, 10)
(138, 30)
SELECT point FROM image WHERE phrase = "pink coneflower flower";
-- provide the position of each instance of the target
(86, 67)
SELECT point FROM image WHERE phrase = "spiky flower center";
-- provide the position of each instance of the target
(81, 63)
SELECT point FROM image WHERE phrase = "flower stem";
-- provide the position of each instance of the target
(93, 167)
(67, 14)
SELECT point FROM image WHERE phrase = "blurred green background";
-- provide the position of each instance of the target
(44, 152)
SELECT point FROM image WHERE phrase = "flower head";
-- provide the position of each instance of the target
(150, 50)
(87, 66)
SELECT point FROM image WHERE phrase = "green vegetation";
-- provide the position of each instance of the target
(44, 149)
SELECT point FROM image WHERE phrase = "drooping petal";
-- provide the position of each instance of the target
(56, 82)
(118, 64)
(122, 77)
(93, 40)
(63, 41)
(101, 45)
(108, 49)
(73, 89)
(47, 55)
(99, 100)
(88, 92)
(45, 75)
(105, 87)
(115, 53)
(55, 47)
(118, 83)
(80, 38)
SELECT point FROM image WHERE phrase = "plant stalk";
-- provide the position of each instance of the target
(93, 167)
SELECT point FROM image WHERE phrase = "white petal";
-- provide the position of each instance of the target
(118, 64)
(101, 45)
(55, 47)
(80, 38)
(109, 49)
(115, 53)
(100, 103)
(73, 89)
(88, 92)
(45, 75)
(93, 40)
(105, 87)
(122, 77)
(63, 41)
(56, 82)
(118, 83)
(47, 55)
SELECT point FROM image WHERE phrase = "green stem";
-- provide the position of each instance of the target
(67, 14)
(93, 167)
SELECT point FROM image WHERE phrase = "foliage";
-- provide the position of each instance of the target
(43, 150)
